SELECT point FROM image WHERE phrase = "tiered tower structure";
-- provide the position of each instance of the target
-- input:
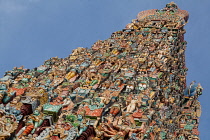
(131, 86)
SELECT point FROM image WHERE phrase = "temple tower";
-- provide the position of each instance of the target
(131, 86)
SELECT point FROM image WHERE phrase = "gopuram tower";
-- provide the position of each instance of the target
(131, 86)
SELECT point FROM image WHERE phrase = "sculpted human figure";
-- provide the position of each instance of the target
(8, 124)
(58, 133)
(93, 79)
(16, 103)
(37, 118)
(105, 71)
(105, 85)
(119, 130)
(132, 106)
(71, 74)
(98, 129)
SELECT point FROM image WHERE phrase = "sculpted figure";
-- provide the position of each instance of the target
(119, 130)
(132, 106)
(93, 79)
(58, 133)
(7, 125)
(71, 74)
(37, 118)
(105, 72)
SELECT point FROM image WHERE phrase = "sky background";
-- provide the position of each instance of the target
(32, 31)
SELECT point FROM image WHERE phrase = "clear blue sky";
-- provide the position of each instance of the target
(32, 31)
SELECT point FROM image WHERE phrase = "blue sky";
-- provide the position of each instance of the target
(32, 31)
